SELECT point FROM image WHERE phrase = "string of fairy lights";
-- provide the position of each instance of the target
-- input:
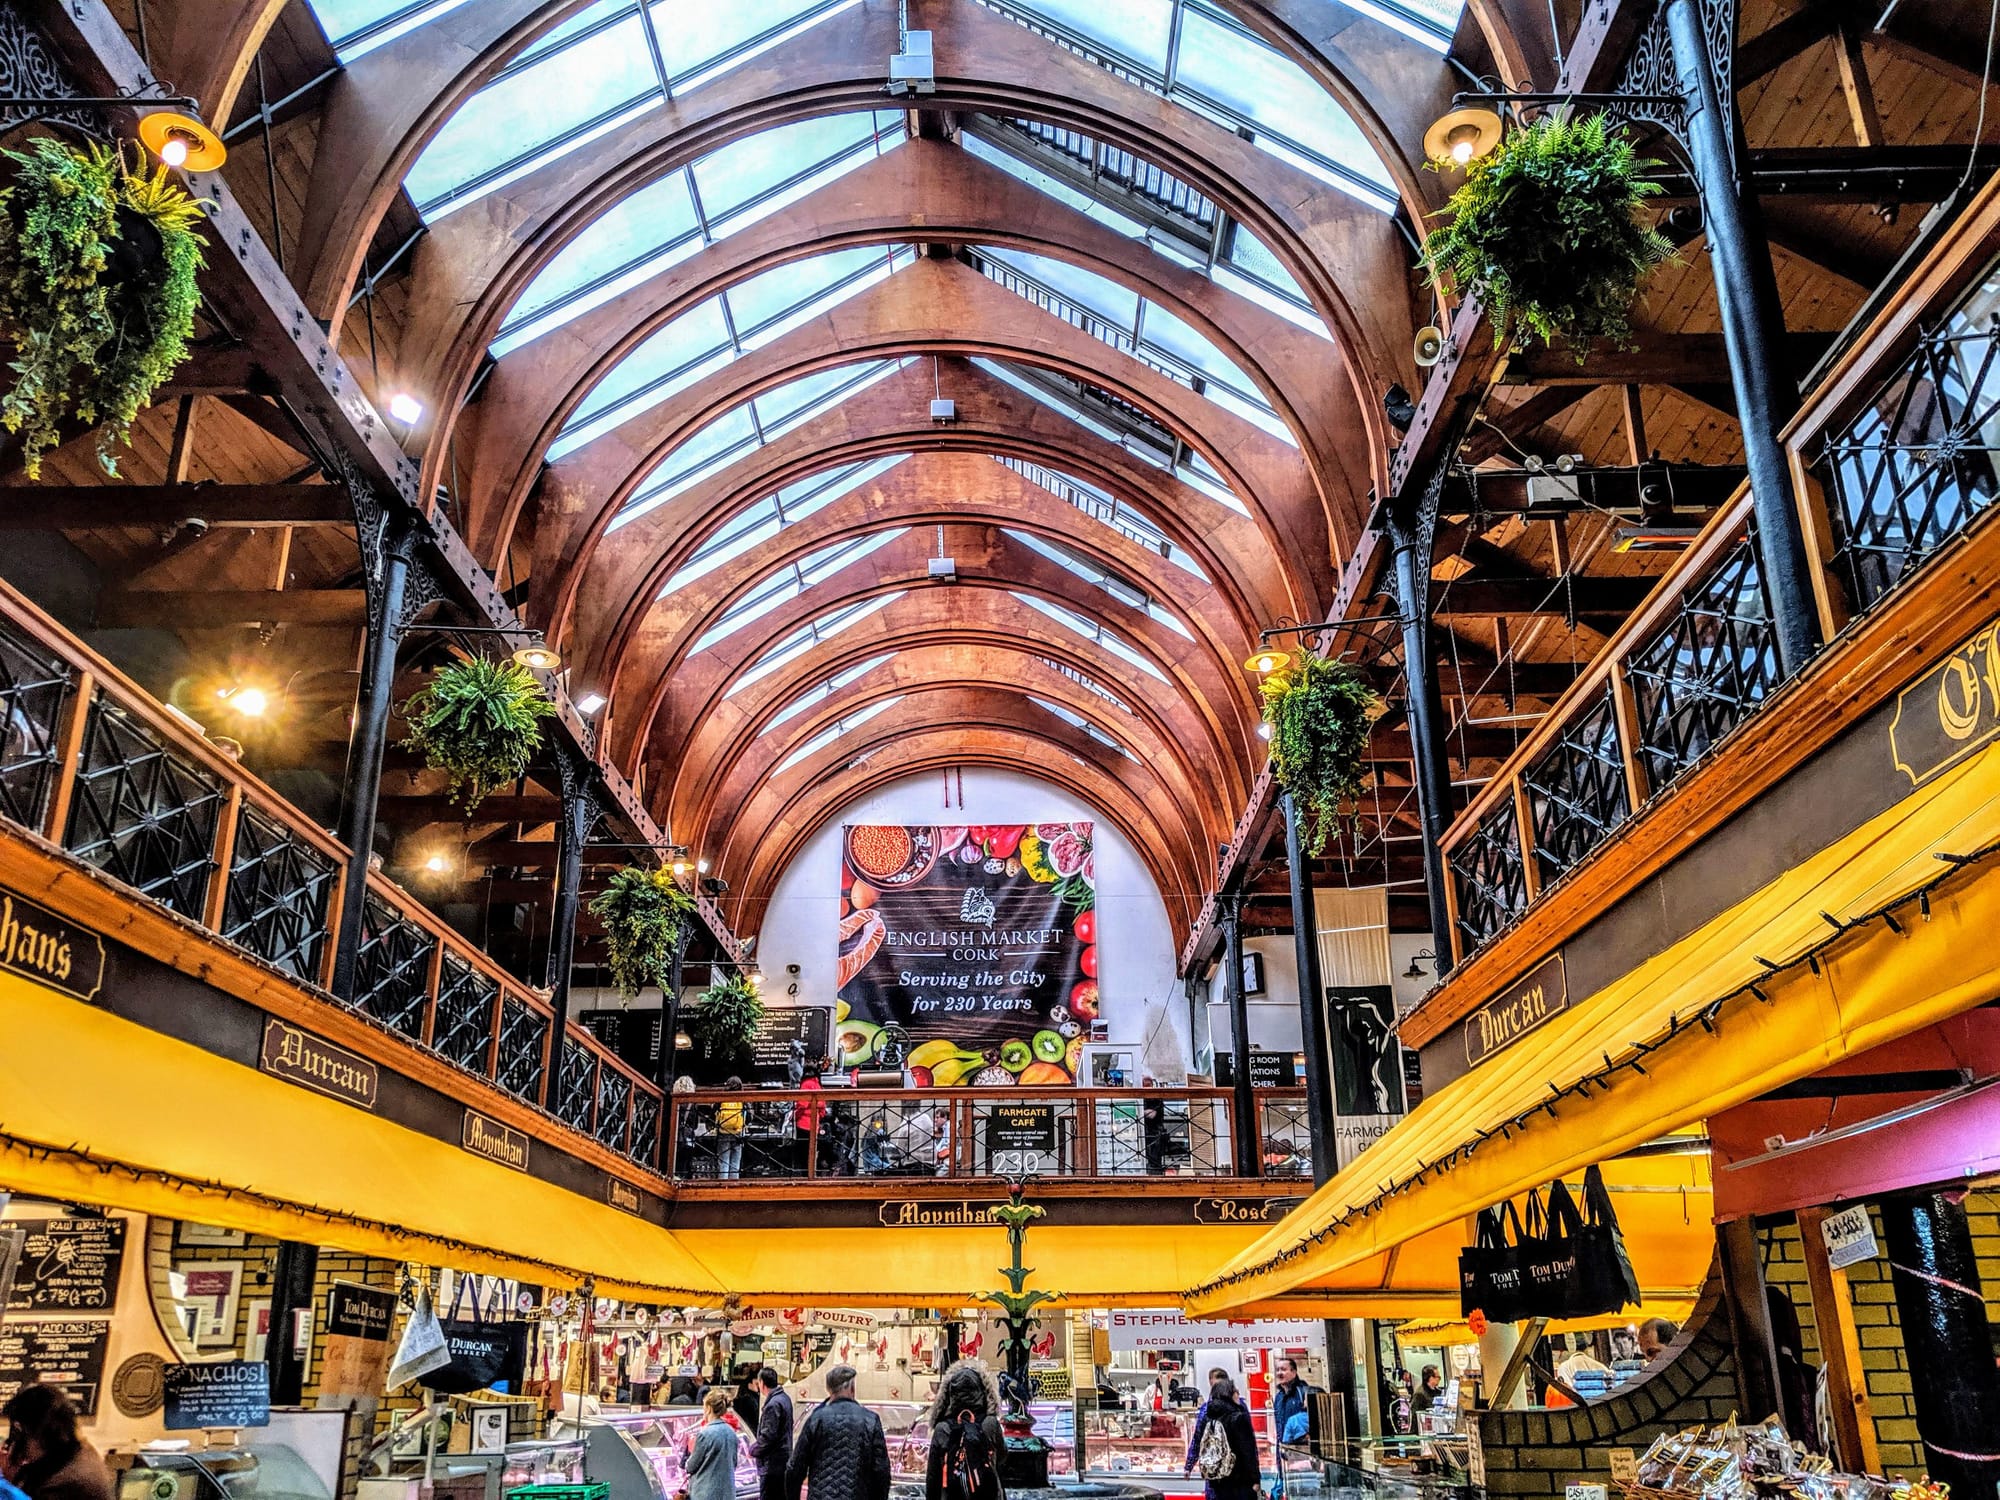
(1812, 958)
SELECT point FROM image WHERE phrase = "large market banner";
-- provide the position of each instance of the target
(967, 954)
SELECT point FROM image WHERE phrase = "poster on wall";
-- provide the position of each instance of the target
(1367, 1066)
(967, 951)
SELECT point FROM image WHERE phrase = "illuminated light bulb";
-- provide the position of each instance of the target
(539, 657)
(251, 702)
(1461, 151)
(680, 867)
(437, 864)
(406, 408)
(174, 151)
(590, 703)
(701, 866)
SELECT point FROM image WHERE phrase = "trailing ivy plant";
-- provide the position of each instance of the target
(644, 912)
(98, 292)
(725, 1020)
(1320, 711)
(1549, 231)
(478, 721)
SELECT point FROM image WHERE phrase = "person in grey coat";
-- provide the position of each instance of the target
(711, 1467)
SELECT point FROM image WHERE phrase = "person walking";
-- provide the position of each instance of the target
(711, 1467)
(1290, 1397)
(747, 1405)
(966, 1441)
(1240, 1475)
(772, 1449)
(841, 1450)
(44, 1454)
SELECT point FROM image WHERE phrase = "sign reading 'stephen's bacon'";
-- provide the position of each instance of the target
(967, 954)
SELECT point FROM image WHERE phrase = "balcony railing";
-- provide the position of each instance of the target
(842, 1135)
(92, 763)
(1897, 455)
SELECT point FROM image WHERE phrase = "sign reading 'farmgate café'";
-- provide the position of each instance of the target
(1541, 993)
(37, 944)
(302, 1058)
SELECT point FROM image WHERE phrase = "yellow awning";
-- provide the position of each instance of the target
(1438, 1335)
(96, 1109)
(1874, 986)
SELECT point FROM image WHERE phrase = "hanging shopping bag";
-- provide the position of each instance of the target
(483, 1354)
(422, 1348)
(1607, 1281)
(1550, 1288)
(1489, 1270)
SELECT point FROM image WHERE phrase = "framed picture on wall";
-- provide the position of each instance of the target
(208, 1296)
(1253, 973)
(189, 1233)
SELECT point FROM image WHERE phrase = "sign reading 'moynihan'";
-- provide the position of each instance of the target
(302, 1058)
(494, 1141)
(37, 944)
(904, 1213)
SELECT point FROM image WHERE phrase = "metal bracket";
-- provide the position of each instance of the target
(582, 807)
(380, 530)
(35, 87)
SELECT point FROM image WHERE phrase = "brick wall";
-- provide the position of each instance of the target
(1884, 1362)
(1538, 1452)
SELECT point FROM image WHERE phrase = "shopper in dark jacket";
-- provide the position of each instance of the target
(772, 1448)
(1246, 1475)
(45, 1455)
(841, 1451)
(746, 1404)
(966, 1441)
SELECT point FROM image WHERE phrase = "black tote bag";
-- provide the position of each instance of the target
(1606, 1280)
(1489, 1271)
(483, 1353)
(1549, 1256)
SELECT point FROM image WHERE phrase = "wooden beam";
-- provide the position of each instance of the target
(1862, 115)
(1661, 359)
(1517, 492)
(84, 507)
(1925, 35)
(216, 609)
(180, 453)
(1853, 1435)
(1519, 422)
(1777, 45)
(215, 371)
(1589, 598)
(269, 418)
(1635, 425)
(502, 808)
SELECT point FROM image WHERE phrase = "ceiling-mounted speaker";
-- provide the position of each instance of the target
(1430, 345)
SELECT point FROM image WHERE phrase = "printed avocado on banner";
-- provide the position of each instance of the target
(967, 954)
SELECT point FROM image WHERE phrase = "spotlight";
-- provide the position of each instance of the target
(701, 866)
(1264, 729)
(1266, 659)
(715, 885)
(251, 702)
(437, 864)
(1462, 136)
(590, 703)
(405, 408)
(538, 656)
(182, 141)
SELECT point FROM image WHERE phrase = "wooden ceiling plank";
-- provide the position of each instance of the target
(158, 506)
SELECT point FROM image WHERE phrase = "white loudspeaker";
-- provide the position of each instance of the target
(1430, 345)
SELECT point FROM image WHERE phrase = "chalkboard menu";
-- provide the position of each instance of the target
(771, 1048)
(68, 1266)
(66, 1354)
(227, 1393)
(633, 1034)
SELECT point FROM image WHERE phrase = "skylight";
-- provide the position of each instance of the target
(833, 732)
(714, 334)
(1076, 720)
(792, 580)
(802, 640)
(1090, 630)
(1095, 503)
(746, 428)
(1128, 594)
(1086, 681)
(767, 517)
(613, 62)
(824, 691)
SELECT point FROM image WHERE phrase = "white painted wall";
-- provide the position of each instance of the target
(1274, 1016)
(1136, 956)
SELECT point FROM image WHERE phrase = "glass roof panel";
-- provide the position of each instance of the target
(826, 689)
(1129, 594)
(1142, 30)
(825, 628)
(773, 513)
(792, 580)
(1086, 681)
(1071, 717)
(628, 237)
(833, 732)
(359, 26)
(1095, 503)
(1090, 630)
(694, 38)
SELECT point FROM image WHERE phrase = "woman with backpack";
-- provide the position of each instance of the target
(1224, 1446)
(966, 1442)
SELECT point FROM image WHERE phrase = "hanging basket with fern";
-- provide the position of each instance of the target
(724, 1021)
(98, 292)
(479, 722)
(1321, 712)
(644, 912)
(1550, 231)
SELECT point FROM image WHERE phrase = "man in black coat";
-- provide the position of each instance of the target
(841, 1452)
(772, 1447)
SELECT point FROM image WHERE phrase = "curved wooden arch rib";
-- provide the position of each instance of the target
(927, 192)
(998, 633)
(963, 666)
(778, 839)
(206, 49)
(474, 264)
(924, 491)
(938, 307)
(987, 563)
(635, 564)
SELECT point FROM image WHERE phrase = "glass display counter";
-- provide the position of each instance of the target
(1120, 1441)
(256, 1472)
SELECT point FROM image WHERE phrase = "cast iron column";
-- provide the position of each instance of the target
(580, 812)
(1244, 1129)
(1312, 1001)
(292, 1281)
(1936, 1276)
(1411, 536)
(1746, 294)
(670, 1025)
(388, 553)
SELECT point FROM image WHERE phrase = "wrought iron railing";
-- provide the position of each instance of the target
(845, 1135)
(1897, 457)
(90, 762)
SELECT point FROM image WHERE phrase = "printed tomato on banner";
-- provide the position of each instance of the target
(968, 954)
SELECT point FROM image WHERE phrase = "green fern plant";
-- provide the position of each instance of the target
(1549, 231)
(478, 721)
(98, 292)
(644, 913)
(723, 1023)
(1320, 712)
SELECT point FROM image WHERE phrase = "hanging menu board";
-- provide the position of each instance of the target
(227, 1393)
(68, 1266)
(771, 1047)
(66, 1354)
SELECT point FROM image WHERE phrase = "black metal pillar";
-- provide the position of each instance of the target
(392, 539)
(1312, 1001)
(1243, 1131)
(580, 812)
(1410, 537)
(292, 1280)
(1938, 1299)
(1746, 293)
(670, 1025)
